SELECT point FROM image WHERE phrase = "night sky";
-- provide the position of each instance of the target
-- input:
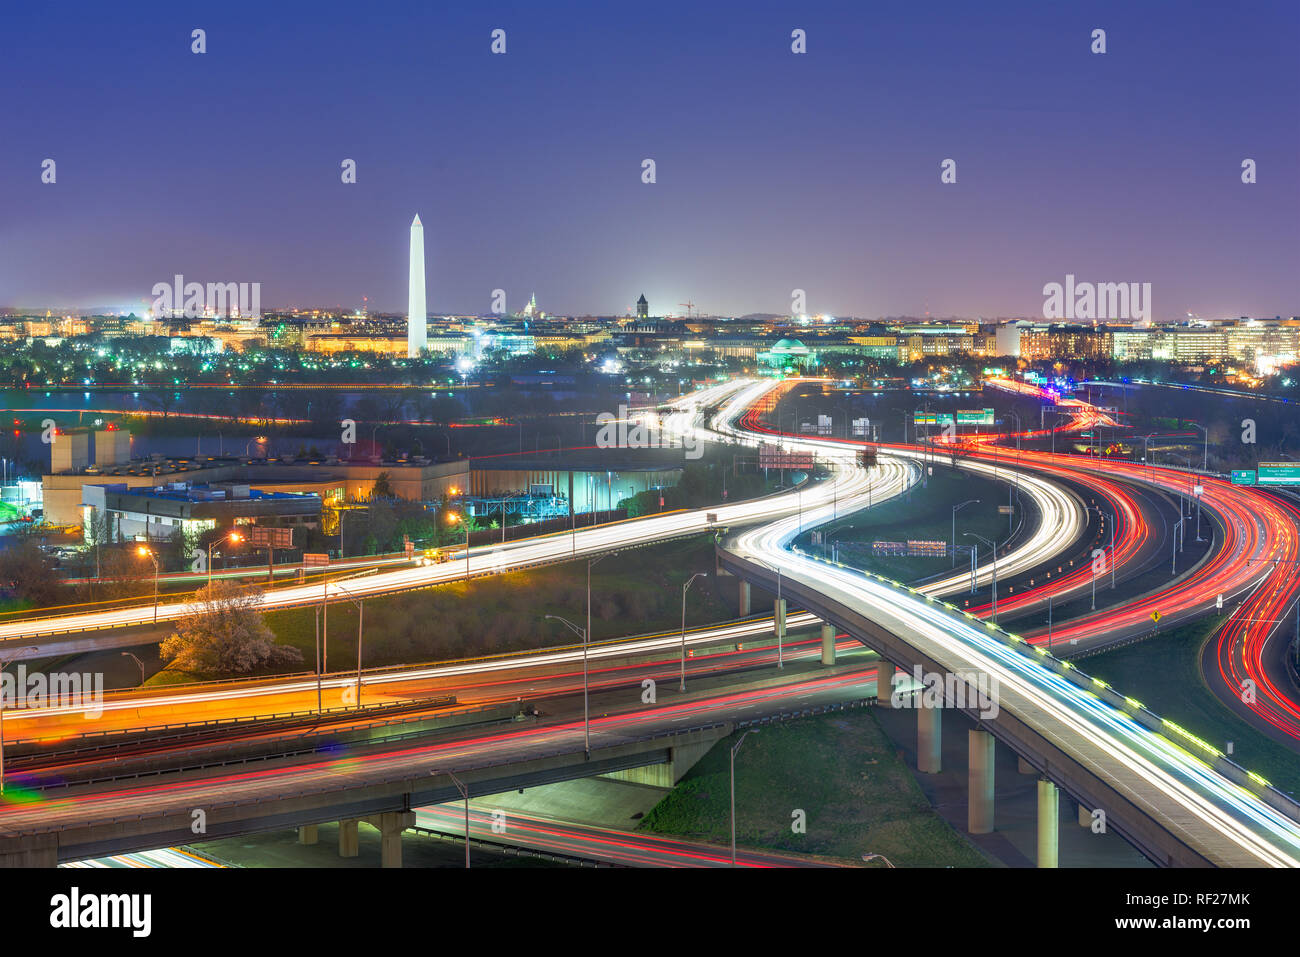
(775, 171)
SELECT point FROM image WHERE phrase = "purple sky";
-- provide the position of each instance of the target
(775, 171)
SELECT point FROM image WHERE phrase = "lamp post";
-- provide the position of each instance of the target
(684, 588)
(142, 551)
(1020, 428)
(994, 548)
(233, 538)
(31, 648)
(1205, 454)
(453, 518)
(586, 713)
(734, 750)
(464, 793)
(972, 501)
(127, 654)
(361, 610)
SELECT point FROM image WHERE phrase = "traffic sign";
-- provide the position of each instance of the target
(1155, 616)
(1278, 473)
(1243, 476)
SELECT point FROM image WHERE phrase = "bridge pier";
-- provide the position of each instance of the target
(743, 601)
(390, 825)
(37, 850)
(828, 644)
(929, 740)
(1048, 821)
(884, 683)
(349, 846)
(308, 833)
(981, 751)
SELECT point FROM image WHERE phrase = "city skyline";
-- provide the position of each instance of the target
(775, 171)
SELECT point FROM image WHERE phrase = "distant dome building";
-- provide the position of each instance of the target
(788, 354)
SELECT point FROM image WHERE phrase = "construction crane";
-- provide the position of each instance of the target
(689, 306)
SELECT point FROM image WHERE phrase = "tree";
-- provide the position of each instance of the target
(27, 573)
(383, 487)
(222, 633)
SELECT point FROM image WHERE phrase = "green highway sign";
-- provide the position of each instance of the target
(1278, 473)
(974, 416)
(1243, 476)
(932, 418)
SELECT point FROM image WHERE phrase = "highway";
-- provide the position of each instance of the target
(606, 845)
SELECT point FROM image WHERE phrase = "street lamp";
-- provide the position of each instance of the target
(1114, 520)
(361, 610)
(142, 551)
(464, 793)
(972, 501)
(684, 587)
(127, 654)
(30, 648)
(452, 519)
(1205, 455)
(734, 750)
(994, 547)
(233, 538)
(586, 713)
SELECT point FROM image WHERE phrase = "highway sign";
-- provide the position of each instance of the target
(974, 416)
(315, 558)
(1243, 476)
(933, 418)
(1155, 616)
(1278, 473)
(272, 536)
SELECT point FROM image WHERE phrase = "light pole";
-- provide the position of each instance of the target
(684, 588)
(734, 750)
(233, 538)
(361, 610)
(586, 714)
(464, 793)
(142, 551)
(994, 548)
(1020, 428)
(452, 519)
(31, 648)
(971, 501)
(127, 654)
(1205, 455)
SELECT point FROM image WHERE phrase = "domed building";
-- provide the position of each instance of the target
(788, 355)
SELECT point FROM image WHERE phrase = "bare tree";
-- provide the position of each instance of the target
(222, 633)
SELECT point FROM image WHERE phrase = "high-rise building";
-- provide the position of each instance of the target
(417, 314)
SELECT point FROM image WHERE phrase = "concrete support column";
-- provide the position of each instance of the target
(349, 846)
(981, 751)
(884, 683)
(1048, 820)
(308, 834)
(391, 824)
(929, 740)
(1023, 766)
(778, 617)
(828, 644)
(743, 599)
(1085, 817)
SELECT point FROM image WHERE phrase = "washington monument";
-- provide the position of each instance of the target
(417, 317)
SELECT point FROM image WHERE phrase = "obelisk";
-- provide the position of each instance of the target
(417, 318)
